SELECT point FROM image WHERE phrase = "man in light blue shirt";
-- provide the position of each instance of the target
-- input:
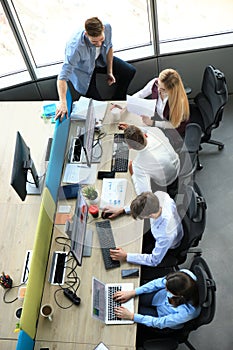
(166, 228)
(88, 52)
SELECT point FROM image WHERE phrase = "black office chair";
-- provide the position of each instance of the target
(189, 158)
(192, 211)
(170, 339)
(207, 109)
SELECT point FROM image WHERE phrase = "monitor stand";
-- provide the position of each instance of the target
(32, 189)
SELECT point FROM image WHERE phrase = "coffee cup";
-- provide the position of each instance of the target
(116, 113)
(18, 312)
(47, 311)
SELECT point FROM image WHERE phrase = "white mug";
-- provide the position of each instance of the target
(46, 311)
(116, 113)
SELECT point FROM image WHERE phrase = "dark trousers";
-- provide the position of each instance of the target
(123, 73)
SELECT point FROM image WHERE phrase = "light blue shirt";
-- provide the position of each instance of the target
(167, 231)
(80, 59)
(168, 315)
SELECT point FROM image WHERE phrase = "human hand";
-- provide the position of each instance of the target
(111, 79)
(122, 297)
(131, 167)
(114, 211)
(61, 111)
(124, 313)
(147, 120)
(122, 126)
(118, 254)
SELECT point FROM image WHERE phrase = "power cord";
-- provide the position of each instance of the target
(9, 289)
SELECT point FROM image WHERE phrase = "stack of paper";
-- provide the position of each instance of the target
(113, 192)
(141, 106)
(80, 173)
(79, 109)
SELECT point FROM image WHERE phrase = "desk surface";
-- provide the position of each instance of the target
(75, 326)
(18, 219)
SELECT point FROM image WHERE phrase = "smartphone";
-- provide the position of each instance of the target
(106, 174)
(129, 273)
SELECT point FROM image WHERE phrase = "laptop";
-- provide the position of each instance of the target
(103, 304)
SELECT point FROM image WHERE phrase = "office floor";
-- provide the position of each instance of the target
(215, 180)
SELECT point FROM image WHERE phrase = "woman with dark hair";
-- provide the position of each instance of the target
(166, 302)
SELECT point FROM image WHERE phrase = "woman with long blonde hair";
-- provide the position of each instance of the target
(172, 106)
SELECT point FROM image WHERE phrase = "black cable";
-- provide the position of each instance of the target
(8, 290)
(72, 281)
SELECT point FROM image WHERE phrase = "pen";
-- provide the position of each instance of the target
(116, 105)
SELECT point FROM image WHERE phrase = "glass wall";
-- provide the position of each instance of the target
(33, 33)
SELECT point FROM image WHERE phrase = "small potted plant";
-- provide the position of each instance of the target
(91, 194)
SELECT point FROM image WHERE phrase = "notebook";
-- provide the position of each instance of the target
(82, 174)
(103, 304)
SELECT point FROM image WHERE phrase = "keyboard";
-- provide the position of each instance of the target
(106, 239)
(112, 303)
(120, 156)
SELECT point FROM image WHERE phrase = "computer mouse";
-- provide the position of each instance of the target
(105, 215)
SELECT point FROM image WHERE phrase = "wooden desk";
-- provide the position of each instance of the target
(18, 219)
(75, 326)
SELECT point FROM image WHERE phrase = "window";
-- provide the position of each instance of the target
(11, 60)
(49, 24)
(43, 28)
(187, 25)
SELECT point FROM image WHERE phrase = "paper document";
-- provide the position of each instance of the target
(79, 109)
(82, 174)
(141, 106)
(113, 192)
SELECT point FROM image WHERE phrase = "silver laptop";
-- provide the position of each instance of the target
(103, 304)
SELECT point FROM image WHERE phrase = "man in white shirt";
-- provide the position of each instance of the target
(155, 159)
(166, 228)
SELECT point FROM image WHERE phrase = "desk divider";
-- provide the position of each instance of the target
(42, 242)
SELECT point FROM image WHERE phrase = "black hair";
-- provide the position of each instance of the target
(183, 287)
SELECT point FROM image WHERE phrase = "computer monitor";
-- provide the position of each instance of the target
(22, 166)
(78, 227)
(89, 132)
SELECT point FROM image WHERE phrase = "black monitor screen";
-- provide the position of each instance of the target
(21, 164)
(89, 132)
(79, 224)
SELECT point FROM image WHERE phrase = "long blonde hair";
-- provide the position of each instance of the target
(177, 98)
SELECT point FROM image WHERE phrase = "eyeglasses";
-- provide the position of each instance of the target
(159, 88)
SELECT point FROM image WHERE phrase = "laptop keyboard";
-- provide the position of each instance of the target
(112, 303)
(120, 156)
(106, 239)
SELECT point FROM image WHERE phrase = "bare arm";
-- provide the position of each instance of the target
(111, 78)
(62, 109)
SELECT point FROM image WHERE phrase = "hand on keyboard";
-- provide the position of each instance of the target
(123, 296)
(124, 313)
(118, 254)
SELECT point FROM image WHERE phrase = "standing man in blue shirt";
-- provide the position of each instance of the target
(88, 52)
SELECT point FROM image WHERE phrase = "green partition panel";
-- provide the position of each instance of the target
(41, 247)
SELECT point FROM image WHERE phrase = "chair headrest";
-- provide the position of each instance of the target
(195, 204)
(206, 286)
(192, 138)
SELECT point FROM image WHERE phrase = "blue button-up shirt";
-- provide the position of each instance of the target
(80, 59)
(168, 315)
